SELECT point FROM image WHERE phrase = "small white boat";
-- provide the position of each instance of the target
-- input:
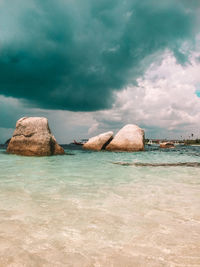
(150, 143)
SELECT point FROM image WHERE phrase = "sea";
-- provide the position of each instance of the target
(101, 209)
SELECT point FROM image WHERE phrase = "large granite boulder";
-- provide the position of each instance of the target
(98, 142)
(32, 137)
(129, 138)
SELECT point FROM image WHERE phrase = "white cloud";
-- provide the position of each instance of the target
(93, 128)
(164, 102)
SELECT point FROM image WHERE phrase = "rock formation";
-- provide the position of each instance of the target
(32, 137)
(167, 145)
(129, 138)
(98, 142)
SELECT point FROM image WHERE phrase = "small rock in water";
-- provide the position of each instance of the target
(167, 145)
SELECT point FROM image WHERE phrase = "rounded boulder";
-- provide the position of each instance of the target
(129, 138)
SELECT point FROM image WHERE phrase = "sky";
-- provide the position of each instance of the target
(94, 66)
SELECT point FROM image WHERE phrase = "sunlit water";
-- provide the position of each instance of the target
(83, 210)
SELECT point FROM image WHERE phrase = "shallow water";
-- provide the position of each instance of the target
(83, 210)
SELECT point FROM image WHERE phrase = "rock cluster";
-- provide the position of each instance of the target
(129, 138)
(32, 137)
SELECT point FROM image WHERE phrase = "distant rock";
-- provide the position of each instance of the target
(129, 138)
(98, 142)
(32, 137)
(167, 145)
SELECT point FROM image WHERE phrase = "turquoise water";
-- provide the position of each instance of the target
(82, 209)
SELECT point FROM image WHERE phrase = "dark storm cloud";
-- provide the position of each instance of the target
(73, 54)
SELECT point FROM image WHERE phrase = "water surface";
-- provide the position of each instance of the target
(83, 210)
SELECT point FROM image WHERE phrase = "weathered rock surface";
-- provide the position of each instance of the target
(129, 138)
(99, 142)
(32, 137)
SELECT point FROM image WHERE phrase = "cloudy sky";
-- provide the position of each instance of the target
(92, 66)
